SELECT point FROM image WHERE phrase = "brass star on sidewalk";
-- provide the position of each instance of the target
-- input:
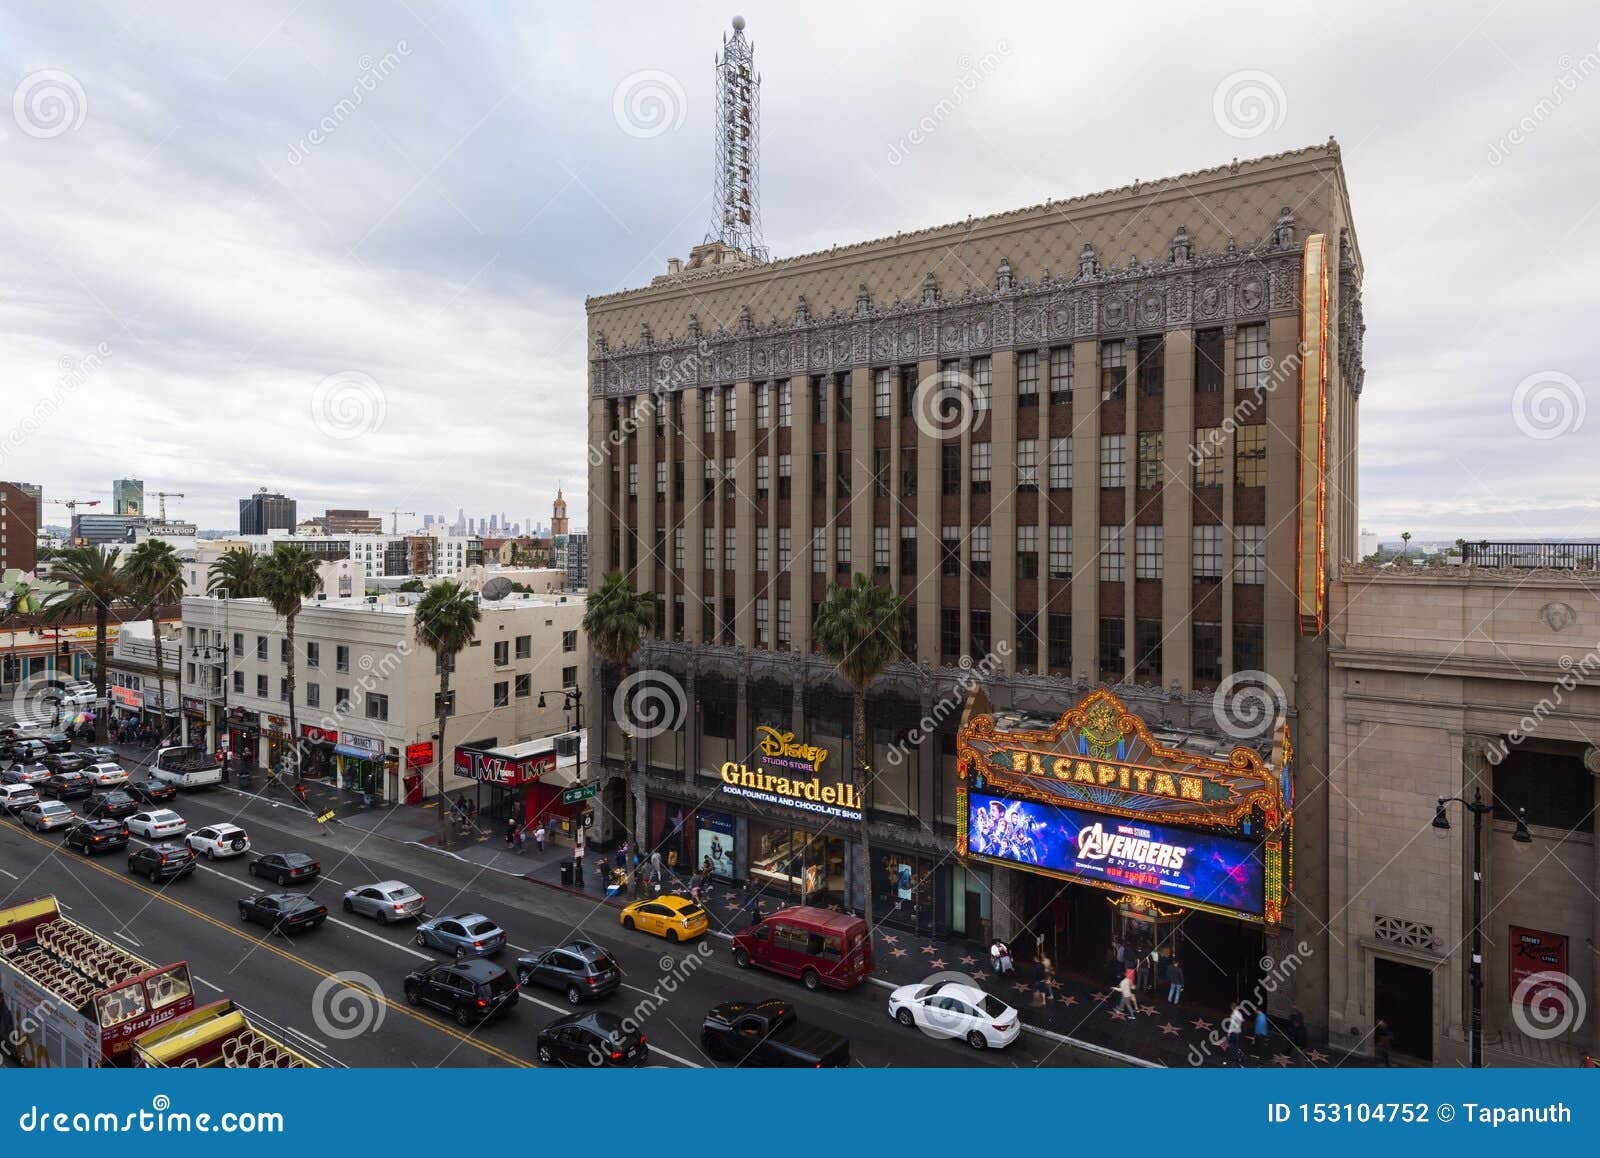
(1280, 1059)
(1316, 1057)
(937, 963)
(1200, 1023)
(1168, 1029)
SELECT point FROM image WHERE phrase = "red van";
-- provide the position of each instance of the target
(819, 946)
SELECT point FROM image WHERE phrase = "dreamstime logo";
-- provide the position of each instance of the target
(1547, 1005)
(649, 103)
(943, 405)
(648, 703)
(1248, 103)
(348, 404)
(675, 971)
(1275, 974)
(1248, 703)
(42, 702)
(48, 103)
(1548, 404)
(348, 1004)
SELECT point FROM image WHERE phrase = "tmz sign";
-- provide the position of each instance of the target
(474, 764)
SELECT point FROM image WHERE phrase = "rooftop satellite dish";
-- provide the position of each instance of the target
(497, 588)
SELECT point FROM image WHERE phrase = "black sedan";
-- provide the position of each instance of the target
(58, 742)
(162, 862)
(66, 761)
(113, 805)
(65, 786)
(595, 1038)
(92, 836)
(285, 867)
(283, 913)
(470, 991)
(580, 969)
(150, 791)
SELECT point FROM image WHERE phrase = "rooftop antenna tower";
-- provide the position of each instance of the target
(736, 213)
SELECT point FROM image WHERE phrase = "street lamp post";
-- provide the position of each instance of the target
(571, 700)
(1479, 808)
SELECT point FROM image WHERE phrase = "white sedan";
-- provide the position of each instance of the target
(953, 1009)
(156, 823)
(106, 775)
(219, 840)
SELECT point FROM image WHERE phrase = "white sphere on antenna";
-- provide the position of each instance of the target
(738, 23)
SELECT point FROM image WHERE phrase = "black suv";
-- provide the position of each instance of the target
(471, 991)
(595, 1037)
(58, 742)
(285, 867)
(580, 969)
(65, 786)
(66, 761)
(150, 791)
(112, 805)
(92, 836)
(161, 862)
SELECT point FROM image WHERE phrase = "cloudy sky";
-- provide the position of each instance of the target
(342, 250)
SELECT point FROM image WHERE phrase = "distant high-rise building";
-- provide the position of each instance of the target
(127, 496)
(95, 530)
(577, 560)
(266, 511)
(558, 516)
(19, 526)
(336, 522)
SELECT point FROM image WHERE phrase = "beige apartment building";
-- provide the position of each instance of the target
(1102, 441)
(1445, 681)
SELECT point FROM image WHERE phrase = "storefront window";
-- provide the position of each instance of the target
(903, 892)
(666, 751)
(805, 865)
(714, 845)
(895, 782)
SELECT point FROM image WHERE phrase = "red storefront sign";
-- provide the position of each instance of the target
(472, 764)
(318, 735)
(419, 755)
(1533, 953)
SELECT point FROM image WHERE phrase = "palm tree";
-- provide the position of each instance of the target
(616, 618)
(859, 627)
(286, 578)
(95, 585)
(156, 576)
(235, 574)
(447, 619)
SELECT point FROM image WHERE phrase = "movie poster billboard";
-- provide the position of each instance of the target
(715, 843)
(1180, 864)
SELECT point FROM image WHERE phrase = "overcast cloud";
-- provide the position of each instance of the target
(200, 291)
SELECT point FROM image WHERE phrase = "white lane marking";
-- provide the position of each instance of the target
(303, 1036)
(128, 937)
(13, 876)
(207, 984)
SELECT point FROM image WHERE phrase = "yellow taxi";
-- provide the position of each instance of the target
(675, 918)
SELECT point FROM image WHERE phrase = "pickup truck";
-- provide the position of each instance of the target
(769, 1033)
(186, 767)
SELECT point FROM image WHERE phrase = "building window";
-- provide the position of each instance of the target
(880, 472)
(238, 682)
(448, 702)
(502, 652)
(819, 475)
(841, 549)
(1147, 649)
(313, 653)
(763, 406)
(677, 547)
(1028, 464)
(785, 475)
(1250, 563)
(708, 399)
(661, 480)
(950, 470)
(1061, 376)
(1207, 643)
(908, 471)
(1111, 560)
(763, 477)
(730, 539)
(763, 547)
(1113, 369)
(1112, 649)
(980, 468)
(1250, 456)
(524, 686)
(908, 551)
(950, 561)
(728, 470)
(710, 465)
(880, 550)
(1060, 551)
(1113, 460)
(1250, 362)
(761, 622)
(1027, 379)
(981, 544)
(1060, 643)
(841, 399)
(1208, 459)
(1028, 552)
(908, 391)
(882, 393)
(819, 552)
(1027, 640)
(261, 686)
(238, 645)
(283, 689)
(949, 633)
(261, 648)
(1208, 361)
(1061, 464)
(1152, 369)
(785, 404)
(785, 624)
(710, 548)
(1247, 647)
(819, 400)
(841, 474)
(1208, 551)
(979, 644)
(982, 386)
(1151, 445)
(1147, 552)
(633, 479)
(524, 647)
(378, 706)
(730, 410)
(502, 694)
(785, 548)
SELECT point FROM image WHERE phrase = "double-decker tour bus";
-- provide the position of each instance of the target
(215, 1035)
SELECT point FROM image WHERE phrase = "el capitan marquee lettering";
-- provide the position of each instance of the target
(1109, 774)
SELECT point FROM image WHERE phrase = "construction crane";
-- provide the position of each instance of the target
(163, 496)
(72, 506)
(394, 520)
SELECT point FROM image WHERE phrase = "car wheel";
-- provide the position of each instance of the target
(422, 940)
(211, 854)
(627, 923)
(243, 915)
(810, 979)
(463, 1019)
(977, 1041)
(412, 996)
(348, 907)
(545, 1055)
(574, 995)
(672, 936)
(383, 917)
(906, 1018)
(152, 875)
(741, 958)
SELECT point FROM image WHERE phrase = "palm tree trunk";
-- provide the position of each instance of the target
(862, 778)
(294, 730)
(444, 706)
(103, 709)
(161, 671)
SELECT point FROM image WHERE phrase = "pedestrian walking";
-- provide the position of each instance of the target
(1233, 1026)
(522, 840)
(539, 835)
(1127, 1006)
(511, 832)
(1260, 1032)
(1141, 971)
(1382, 1039)
(1000, 958)
(1154, 976)
(1174, 981)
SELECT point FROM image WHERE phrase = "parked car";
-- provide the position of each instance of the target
(106, 775)
(101, 755)
(58, 742)
(66, 786)
(952, 1009)
(188, 767)
(113, 805)
(469, 991)
(218, 840)
(15, 797)
(462, 935)
(90, 836)
(25, 772)
(45, 815)
(157, 823)
(283, 913)
(770, 1033)
(580, 969)
(154, 792)
(285, 867)
(672, 917)
(67, 762)
(819, 946)
(596, 1037)
(162, 862)
(385, 901)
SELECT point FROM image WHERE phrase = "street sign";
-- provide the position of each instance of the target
(588, 820)
(580, 793)
(325, 817)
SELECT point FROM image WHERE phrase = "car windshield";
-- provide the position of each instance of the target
(482, 928)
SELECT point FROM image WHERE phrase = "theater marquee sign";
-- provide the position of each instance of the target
(1097, 800)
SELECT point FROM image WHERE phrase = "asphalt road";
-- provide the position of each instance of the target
(337, 993)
